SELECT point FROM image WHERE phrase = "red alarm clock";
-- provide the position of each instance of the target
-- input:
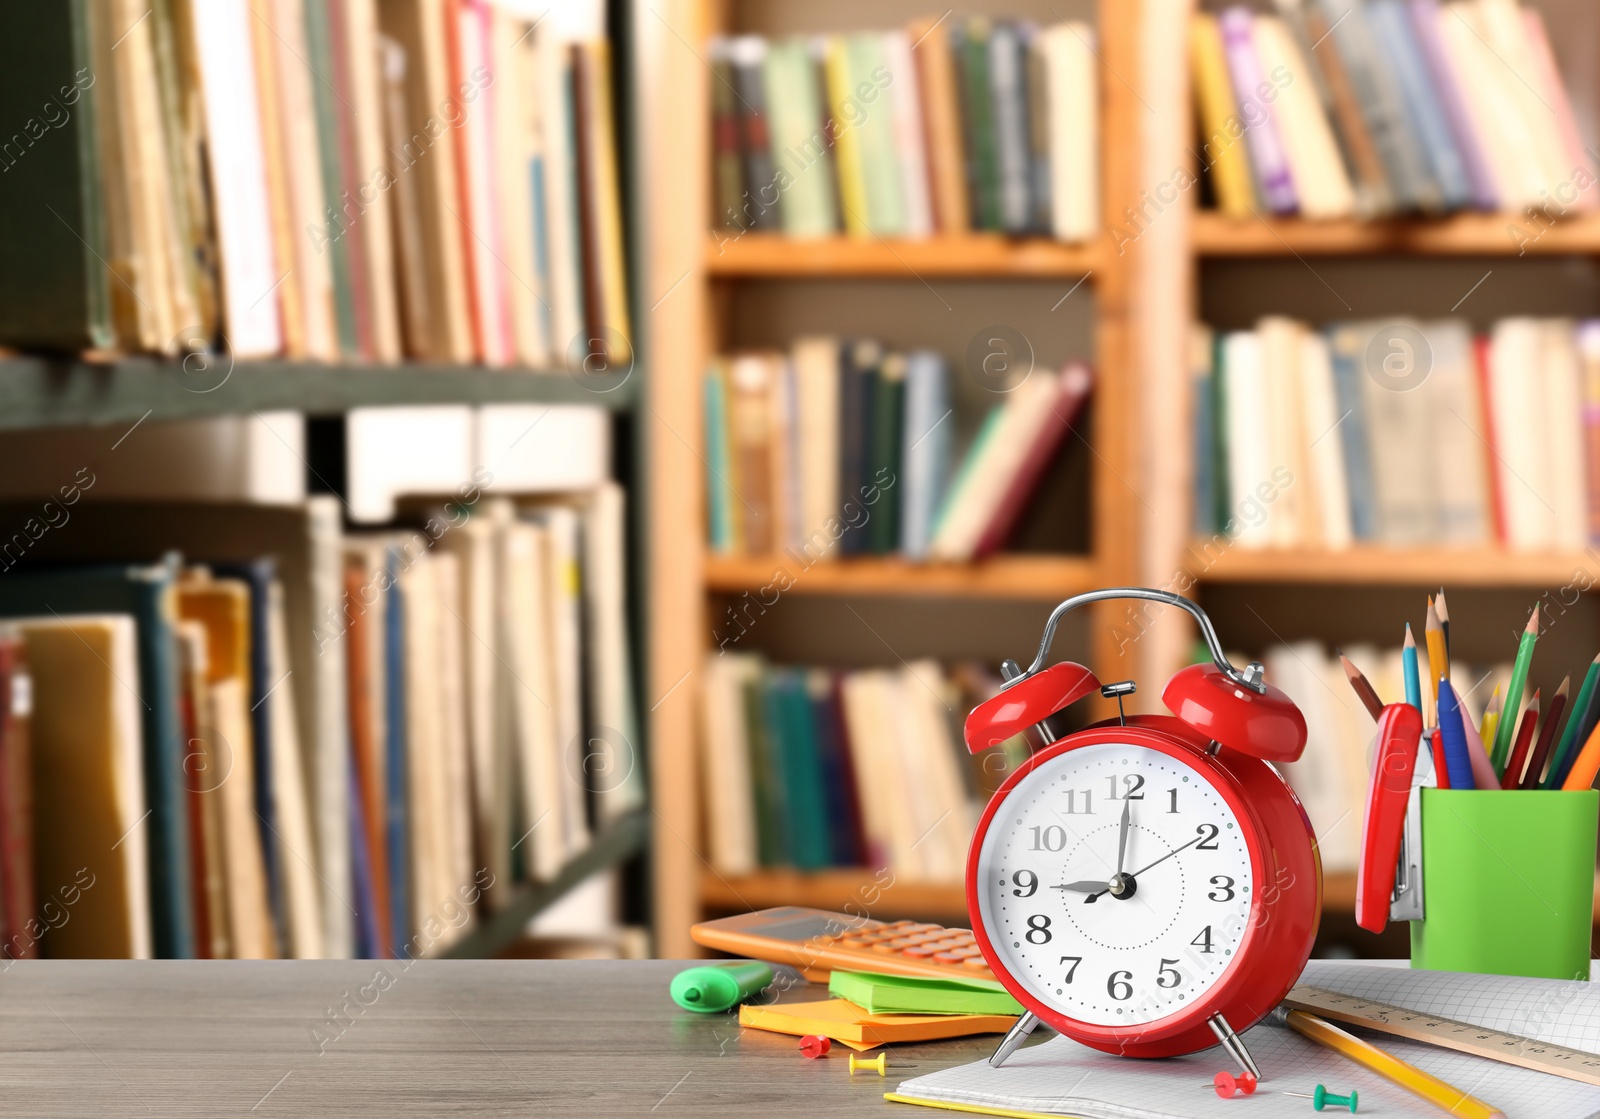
(1150, 884)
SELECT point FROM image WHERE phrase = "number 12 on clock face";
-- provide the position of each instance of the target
(1115, 883)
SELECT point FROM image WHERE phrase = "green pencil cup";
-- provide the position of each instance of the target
(1507, 882)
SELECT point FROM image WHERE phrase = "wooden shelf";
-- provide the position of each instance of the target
(977, 254)
(1460, 235)
(1463, 567)
(45, 392)
(1005, 576)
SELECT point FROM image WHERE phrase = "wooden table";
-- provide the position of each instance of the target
(479, 1037)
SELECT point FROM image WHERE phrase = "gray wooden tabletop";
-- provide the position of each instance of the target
(479, 1037)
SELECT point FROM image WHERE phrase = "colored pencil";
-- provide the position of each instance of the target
(1420, 1084)
(1408, 669)
(1547, 735)
(1588, 764)
(1438, 659)
(1453, 730)
(1441, 772)
(1444, 620)
(1570, 737)
(1519, 746)
(1483, 774)
(1491, 717)
(1362, 687)
(1519, 681)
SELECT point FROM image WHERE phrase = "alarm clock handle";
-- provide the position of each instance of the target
(1252, 677)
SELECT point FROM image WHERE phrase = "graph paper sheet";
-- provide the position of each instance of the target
(1062, 1077)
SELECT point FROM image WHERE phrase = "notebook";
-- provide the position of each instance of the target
(848, 1023)
(1061, 1077)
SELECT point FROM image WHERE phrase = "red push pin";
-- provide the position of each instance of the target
(814, 1046)
(1228, 1086)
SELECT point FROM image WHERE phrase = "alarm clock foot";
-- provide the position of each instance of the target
(1019, 1033)
(1233, 1043)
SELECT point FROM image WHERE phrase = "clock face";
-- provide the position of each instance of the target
(1050, 856)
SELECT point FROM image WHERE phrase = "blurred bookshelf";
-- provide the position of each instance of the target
(191, 375)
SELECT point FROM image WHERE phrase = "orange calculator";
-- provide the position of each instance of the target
(817, 942)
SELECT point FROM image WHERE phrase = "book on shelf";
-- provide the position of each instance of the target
(361, 181)
(1327, 109)
(1331, 776)
(1398, 432)
(939, 127)
(314, 742)
(799, 763)
(840, 447)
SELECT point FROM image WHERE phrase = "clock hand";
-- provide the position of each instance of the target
(1122, 834)
(1169, 854)
(1083, 887)
(1141, 870)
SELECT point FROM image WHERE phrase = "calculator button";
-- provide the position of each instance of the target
(918, 953)
(974, 962)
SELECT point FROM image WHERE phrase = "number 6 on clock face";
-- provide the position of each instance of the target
(1143, 945)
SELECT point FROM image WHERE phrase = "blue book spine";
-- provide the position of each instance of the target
(1347, 374)
(367, 946)
(171, 899)
(803, 775)
(1393, 31)
(395, 718)
(836, 778)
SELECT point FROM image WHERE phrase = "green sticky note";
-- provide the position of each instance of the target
(905, 994)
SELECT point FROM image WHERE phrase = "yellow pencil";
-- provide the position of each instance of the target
(1438, 658)
(1491, 719)
(1412, 1079)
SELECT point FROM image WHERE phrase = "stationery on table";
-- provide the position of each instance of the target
(1060, 1077)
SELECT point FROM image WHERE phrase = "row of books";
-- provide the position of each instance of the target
(943, 126)
(844, 448)
(268, 737)
(812, 768)
(1331, 778)
(1399, 432)
(1333, 108)
(354, 181)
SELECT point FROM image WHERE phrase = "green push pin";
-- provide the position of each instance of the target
(1323, 1098)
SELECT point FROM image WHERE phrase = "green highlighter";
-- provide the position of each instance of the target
(713, 988)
